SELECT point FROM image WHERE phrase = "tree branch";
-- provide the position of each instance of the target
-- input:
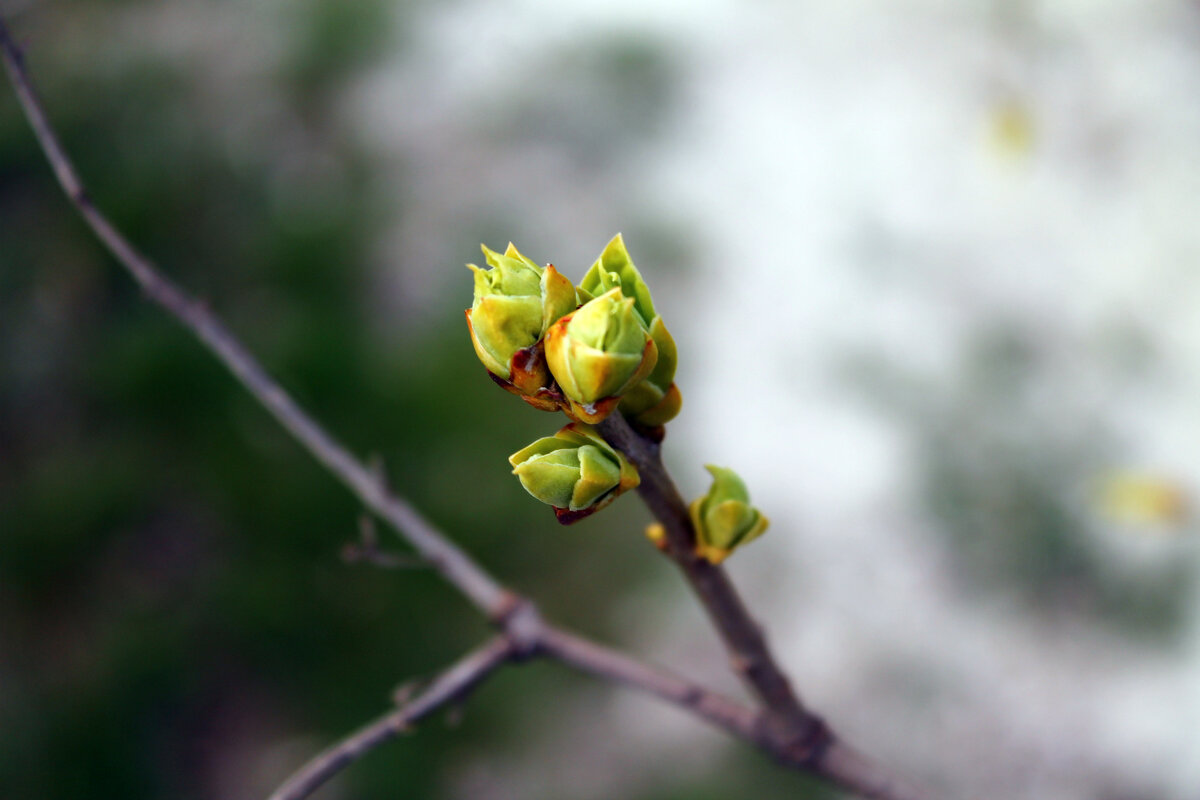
(836, 762)
(450, 686)
(751, 658)
(785, 729)
(611, 665)
(443, 555)
(840, 764)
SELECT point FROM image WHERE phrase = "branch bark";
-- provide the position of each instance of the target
(442, 554)
(784, 728)
(450, 686)
(787, 729)
(616, 667)
(743, 638)
(839, 764)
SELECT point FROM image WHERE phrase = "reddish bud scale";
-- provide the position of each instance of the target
(531, 379)
(566, 516)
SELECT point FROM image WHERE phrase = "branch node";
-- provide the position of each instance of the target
(802, 745)
(405, 691)
(367, 549)
(377, 467)
(522, 624)
(397, 725)
(742, 665)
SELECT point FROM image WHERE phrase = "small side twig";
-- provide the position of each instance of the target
(447, 689)
(367, 550)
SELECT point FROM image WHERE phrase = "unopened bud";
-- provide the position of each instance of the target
(723, 518)
(597, 353)
(515, 302)
(655, 400)
(575, 471)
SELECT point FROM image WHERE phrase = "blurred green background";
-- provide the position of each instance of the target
(947, 248)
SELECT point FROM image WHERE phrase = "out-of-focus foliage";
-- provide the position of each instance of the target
(1009, 478)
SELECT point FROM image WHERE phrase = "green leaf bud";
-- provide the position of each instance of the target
(614, 268)
(515, 302)
(656, 399)
(597, 353)
(575, 471)
(723, 518)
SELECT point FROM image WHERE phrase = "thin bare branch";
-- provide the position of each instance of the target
(452, 562)
(836, 762)
(448, 688)
(785, 729)
(355, 553)
(611, 665)
(747, 647)
(844, 766)
(839, 764)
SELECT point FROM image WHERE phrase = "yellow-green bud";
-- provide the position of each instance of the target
(575, 471)
(724, 518)
(614, 268)
(515, 302)
(654, 400)
(597, 353)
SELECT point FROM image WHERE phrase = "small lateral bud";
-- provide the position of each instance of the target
(723, 518)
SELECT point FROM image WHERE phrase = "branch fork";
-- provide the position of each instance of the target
(780, 725)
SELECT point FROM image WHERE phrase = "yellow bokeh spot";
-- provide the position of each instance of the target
(1011, 128)
(657, 534)
(1142, 499)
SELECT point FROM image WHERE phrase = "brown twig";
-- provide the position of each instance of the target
(837, 763)
(788, 729)
(367, 550)
(614, 666)
(784, 729)
(747, 647)
(454, 564)
(449, 687)
(840, 765)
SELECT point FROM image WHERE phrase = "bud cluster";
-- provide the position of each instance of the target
(589, 350)
(655, 399)
(585, 350)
